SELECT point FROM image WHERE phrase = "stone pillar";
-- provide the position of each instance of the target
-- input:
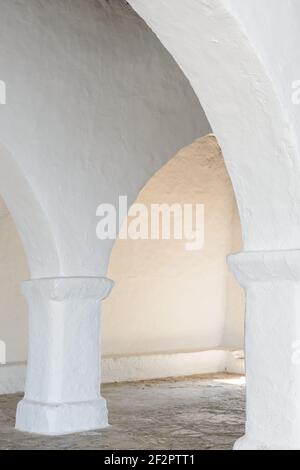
(62, 393)
(272, 284)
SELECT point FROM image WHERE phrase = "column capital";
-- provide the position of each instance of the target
(60, 289)
(265, 266)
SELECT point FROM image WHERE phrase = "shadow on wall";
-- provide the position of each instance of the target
(167, 299)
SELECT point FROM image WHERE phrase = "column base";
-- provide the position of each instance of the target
(59, 419)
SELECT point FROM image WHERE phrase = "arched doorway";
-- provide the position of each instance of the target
(255, 133)
(193, 307)
(240, 97)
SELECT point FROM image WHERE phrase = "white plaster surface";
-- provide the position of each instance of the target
(95, 105)
(273, 27)
(192, 303)
(240, 97)
(246, 91)
(62, 392)
(154, 366)
(54, 419)
(272, 345)
(116, 369)
(90, 91)
(12, 378)
(13, 270)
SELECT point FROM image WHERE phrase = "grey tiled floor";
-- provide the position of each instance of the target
(190, 413)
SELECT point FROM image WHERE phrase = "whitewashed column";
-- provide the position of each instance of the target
(272, 284)
(62, 393)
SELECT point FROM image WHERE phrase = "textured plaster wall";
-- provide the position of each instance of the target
(95, 105)
(273, 26)
(193, 302)
(73, 138)
(235, 304)
(13, 270)
(167, 299)
(240, 94)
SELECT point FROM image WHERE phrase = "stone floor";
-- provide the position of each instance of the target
(191, 413)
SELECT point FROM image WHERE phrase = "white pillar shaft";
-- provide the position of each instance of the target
(62, 393)
(272, 283)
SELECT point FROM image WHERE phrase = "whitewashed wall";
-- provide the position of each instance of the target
(167, 299)
(95, 105)
(13, 307)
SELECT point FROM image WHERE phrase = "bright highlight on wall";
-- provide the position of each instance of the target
(167, 299)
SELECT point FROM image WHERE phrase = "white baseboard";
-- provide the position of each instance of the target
(158, 366)
(145, 367)
(12, 378)
(235, 362)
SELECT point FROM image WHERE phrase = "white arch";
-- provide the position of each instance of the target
(261, 153)
(242, 105)
(255, 130)
(31, 221)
